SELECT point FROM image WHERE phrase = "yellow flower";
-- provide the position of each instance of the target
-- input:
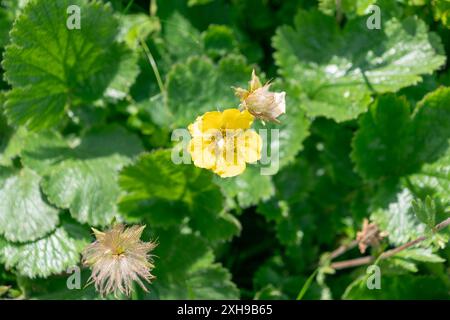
(117, 258)
(222, 142)
(260, 102)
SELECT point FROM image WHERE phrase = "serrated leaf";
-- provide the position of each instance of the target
(137, 27)
(198, 86)
(398, 262)
(82, 178)
(337, 70)
(441, 11)
(399, 220)
(434, 178)
(200, 278)
(333, 147)
(164, 193)
(6, 21)
(384, 143)
(53, 68)
(178, 252)
(181, 38)
(153, 175)
(49, 255)
(7, 147)
(425, 211)
(420, 254)
(219, 40)
(206, 204)
(349, 7)
(292, 131)
(24, 214)
(393, 142)
(12, 145)
(126, 73)
(249, 188)
(153, 189)
(199, 284)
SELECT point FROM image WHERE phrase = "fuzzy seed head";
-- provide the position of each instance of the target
(118, 258)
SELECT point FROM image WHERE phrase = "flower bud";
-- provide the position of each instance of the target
(260, 102)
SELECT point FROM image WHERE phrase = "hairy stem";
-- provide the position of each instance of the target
(369, 259)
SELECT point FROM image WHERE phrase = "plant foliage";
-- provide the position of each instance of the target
(86, 117)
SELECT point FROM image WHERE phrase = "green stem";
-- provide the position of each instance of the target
(307, 284)
(128, 7)
(152, 62)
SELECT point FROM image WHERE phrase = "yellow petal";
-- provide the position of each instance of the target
(235, 119)
(211, 120)
(202, 152)
(229, 169)
(250, 149)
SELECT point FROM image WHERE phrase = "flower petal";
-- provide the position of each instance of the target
(229, 169)
(202, 152)
(250, 149)
(235, 119)
(211, 120)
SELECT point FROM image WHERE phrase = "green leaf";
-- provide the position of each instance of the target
(213, 282)
(53, 68)
(126, 73)
(6, 21)
(399, 220)
(392, 142)
(153, 175)
(192, 3)
(12, 145)
(164, 193)
(441, 11)
(152, 188)
(82, 177)
(198, 86)
(279, 285)
(181, 38)
(384, 143)
(219, 40)
(249, 188)
(55, 288)
(206, 204)
(137, 27)
(333, 146)
(402, 264)
(177, 253)
(292, 131)
(350, 7)
(425, 211)
(49, 255)
(432, 125)
(434, 178)
(10, 139)
(399, 287)
(336, 70)
(420, 254)
(24, 214)
(196, 276)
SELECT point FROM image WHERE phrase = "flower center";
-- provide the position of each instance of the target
(119, 251)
